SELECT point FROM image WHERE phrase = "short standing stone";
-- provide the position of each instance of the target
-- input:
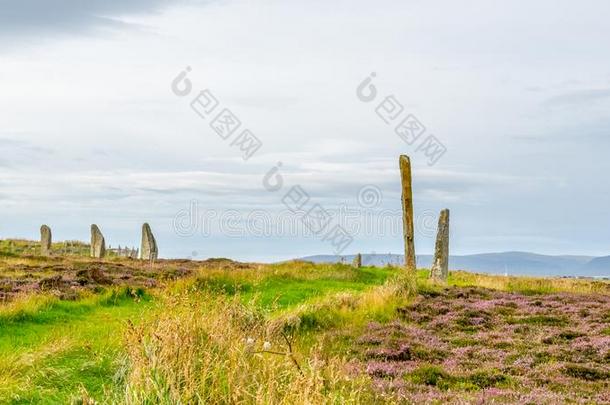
(45, 240)
(148, 249)
(357, 263)
(98, 244)
(440, 266)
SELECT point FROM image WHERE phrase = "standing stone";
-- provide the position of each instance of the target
(98, 244)
(440, 267)
(45, 240)
(357, 263)
(407, 212)
(149, 244)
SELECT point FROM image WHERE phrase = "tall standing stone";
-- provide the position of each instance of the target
(440, 266)
(45, 240)
(148, 250)
(98, 244)
(407, 212)
(357, 263)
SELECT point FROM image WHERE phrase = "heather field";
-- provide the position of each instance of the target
(479, 345)
(81, 330)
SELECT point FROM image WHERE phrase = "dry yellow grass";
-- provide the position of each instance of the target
(531, 285)
(209, 349)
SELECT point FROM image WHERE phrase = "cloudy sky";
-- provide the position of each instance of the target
(518, 92)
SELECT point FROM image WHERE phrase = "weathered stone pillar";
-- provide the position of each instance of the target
(45, 240)
(148, 249)
(357, 263)
(440, 266)
(407, 212)
(98, 244)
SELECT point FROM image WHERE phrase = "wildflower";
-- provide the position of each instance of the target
(250, 341)
(266, 345)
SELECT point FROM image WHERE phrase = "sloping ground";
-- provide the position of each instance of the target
(23, 247)
(69, 276)
(476, 345)
(219, 331)
(69, 271)
(57, 348)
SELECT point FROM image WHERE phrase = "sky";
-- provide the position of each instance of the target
(98, 126)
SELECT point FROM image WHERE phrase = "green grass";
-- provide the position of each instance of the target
(285, 285)
(49, 348)
(20, 247)
(285, 291)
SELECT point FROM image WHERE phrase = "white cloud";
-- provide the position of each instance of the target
(91, 129)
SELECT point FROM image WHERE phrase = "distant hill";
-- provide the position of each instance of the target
(599, 264)
(513, 263)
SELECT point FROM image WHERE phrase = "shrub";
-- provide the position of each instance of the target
(432, 375)
(222, 285)
(487, 378)
(563, 336)
(549, 320)
(585, 373)
(118, 295)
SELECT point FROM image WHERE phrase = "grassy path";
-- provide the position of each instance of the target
(47, 354)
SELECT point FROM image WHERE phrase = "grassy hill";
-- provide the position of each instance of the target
(22, 247)
(217, 331)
